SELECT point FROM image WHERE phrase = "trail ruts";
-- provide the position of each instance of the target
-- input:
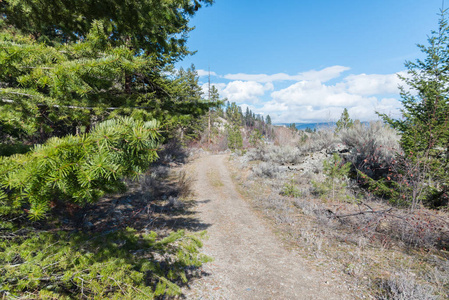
(250, 262)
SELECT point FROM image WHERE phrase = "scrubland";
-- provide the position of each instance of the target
(318, 192)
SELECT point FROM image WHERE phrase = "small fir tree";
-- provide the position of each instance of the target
(336, 172)
(344, 122)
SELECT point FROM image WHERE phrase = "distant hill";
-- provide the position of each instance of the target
(303, 126)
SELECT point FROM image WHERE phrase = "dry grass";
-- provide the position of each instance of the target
(214, 178)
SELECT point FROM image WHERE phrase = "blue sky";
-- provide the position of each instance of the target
(305, 61)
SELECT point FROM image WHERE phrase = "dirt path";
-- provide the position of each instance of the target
(250, 262)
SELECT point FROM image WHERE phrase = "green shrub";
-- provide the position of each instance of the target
(336, 172)
(290, 190)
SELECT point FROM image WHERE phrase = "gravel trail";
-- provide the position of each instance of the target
(249, 260)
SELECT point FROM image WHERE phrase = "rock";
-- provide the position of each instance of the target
(337, 148)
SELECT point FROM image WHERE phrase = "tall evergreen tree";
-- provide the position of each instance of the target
(105, 68)
(234, 117)
(424, 125)
(68, 65)
(268, 120)
(66, 73)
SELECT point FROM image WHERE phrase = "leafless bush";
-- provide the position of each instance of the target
(372, 147)
(419, 229)
(414, 229)
(266, 170)
(404, 287)
(220, 143)
(184, 185)
(320, 140)
(274, 202)
(278, 207)
(438, 275)
(172, 151)
(175, 202)
(159, 182)
(307, 207)
(285, 136)
(275, 154)
(152, 182)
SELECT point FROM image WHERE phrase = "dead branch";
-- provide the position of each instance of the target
(363, 213)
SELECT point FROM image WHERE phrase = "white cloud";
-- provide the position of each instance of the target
(245, 91)
(202, 73)
(321, 75)
(314, 101)
(311, 99)
(373, 84)
(325, 74)
(316, 94)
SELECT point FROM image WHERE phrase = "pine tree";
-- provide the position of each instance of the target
(424, 125)
(89, 83)
(247, 117)
(344, 122)
(67, 74)
(336, 172)
(153, 28)
(268, 120)
(234, 117)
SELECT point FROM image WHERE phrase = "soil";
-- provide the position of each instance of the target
(250, 261)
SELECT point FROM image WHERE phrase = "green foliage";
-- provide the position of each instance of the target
(308, 130)
(119, 265)
(53, 90)
(78, 169)
(255, 138)
(382, 188)
(424, 125)
(234, 115)
(268, 120)
(336, 172)
(192, 119)
(10, 149)
(344, 122)
(235, 140)
(151, 27)
(291, 190)
(89, 83)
